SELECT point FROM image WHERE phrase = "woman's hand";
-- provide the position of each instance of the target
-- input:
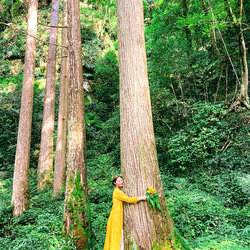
(142, 198)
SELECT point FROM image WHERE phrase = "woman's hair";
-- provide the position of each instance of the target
(115, 178)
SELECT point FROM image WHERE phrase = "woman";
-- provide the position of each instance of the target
(114, 240)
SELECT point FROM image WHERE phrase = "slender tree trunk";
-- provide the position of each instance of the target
(243, 60)
(76, 204)
(20, 192)
(45, 164)
(212, 32)
(60, 160)
(185, 8)
(237, 22)
(143, 228)
(218, 83)
(226, 80)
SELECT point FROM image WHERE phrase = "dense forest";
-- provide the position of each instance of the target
(196, 68)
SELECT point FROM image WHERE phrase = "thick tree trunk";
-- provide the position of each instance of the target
(143, 228)
(60, 160)
(45, 164)
(76, 204)
(20, 192)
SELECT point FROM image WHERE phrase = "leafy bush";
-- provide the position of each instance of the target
(203, 137)
(37, 228)
(204, 217)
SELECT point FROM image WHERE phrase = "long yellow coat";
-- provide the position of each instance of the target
(115, 221)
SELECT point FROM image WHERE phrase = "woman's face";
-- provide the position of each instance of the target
(119, 182)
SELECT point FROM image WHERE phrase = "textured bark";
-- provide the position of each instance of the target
(20, 192)
(76, 205)
(60, 160)
(45, 164)
(143, 228)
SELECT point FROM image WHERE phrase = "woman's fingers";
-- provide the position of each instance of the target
(142, 198)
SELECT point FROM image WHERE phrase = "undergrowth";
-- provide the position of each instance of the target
(40, 227)
(206, 220)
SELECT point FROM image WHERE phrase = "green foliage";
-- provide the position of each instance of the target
(98, 31)
(180, 241)
(181, 51)
(200, 136)
(202, 216)
(9, 10)
(12, 42)
(204, 135)
(10, 100)
(103, 3)
(153, 199)
(106, 88)
(37, 228)
(9, 109)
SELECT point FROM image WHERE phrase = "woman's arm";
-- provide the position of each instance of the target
(119, 195)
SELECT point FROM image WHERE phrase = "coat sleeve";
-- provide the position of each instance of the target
(119, 195)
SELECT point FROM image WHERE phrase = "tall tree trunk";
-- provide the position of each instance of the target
(76, 203)
(185, 8)
(143, 228)
(45, 164)
(237, 22)
(60, 160)
(212, 31)
(243, 60)
(20, 192)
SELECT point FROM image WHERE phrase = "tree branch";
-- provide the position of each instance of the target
(56, 44)
(51, 26)
(244, 30)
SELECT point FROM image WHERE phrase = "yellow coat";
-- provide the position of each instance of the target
(115, 221)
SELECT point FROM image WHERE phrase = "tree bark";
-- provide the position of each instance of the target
(20, 192)
(237, 22)
(60, 160)
(243, 60)
(76, 203)
(45, 164)
(143, 228)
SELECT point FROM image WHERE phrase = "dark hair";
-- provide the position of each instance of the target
(115, 178)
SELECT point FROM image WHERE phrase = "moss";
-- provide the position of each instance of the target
(77, 209)
(71, 181)
(134, 246)
(165, 246)
(45, 179)
(171, 237)
(26, 194)
(175, 242)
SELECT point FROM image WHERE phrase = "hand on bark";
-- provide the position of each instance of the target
(142, 198)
